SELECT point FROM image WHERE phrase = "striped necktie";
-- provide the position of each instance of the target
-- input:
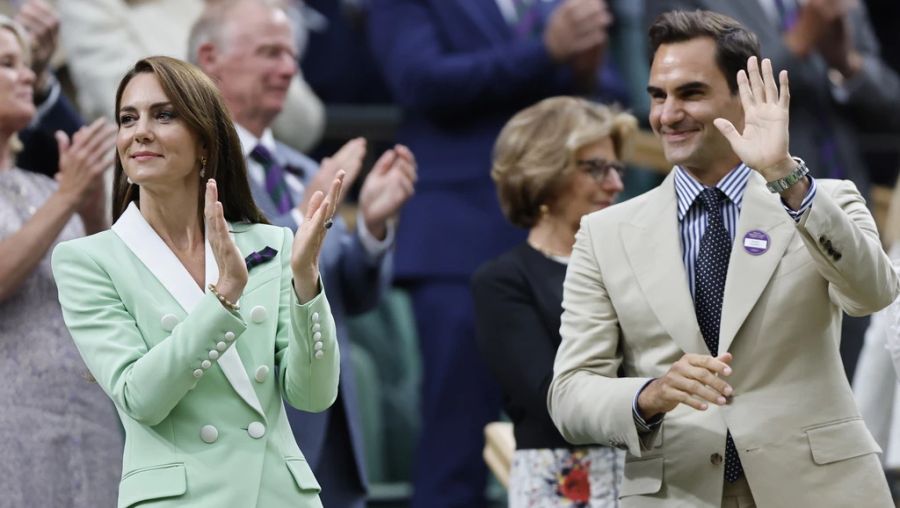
(276, 186)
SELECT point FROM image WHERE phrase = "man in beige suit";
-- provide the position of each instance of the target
(719, 296)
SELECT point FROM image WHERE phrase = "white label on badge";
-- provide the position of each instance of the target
(755, 243)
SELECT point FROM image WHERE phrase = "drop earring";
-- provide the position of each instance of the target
(202, 167)
(129, 180)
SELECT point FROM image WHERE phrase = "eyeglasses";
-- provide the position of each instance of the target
(600, 169)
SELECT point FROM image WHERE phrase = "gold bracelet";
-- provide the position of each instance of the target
(228, 305)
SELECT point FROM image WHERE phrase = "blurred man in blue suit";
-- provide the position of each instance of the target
(248, 48)
(460, 69)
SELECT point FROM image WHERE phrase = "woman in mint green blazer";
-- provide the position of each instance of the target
(195, 316)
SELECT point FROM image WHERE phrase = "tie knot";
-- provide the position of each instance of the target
(711, 198)
(261, 154)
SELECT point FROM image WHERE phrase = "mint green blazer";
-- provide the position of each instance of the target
(199, 388)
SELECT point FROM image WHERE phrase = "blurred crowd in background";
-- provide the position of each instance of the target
(442, 77)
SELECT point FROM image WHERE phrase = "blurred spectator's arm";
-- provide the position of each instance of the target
(873, 93)
(425, 75)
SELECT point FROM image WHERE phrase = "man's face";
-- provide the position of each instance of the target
(256, 63)
(687, 92)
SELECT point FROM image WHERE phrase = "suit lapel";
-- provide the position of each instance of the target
(153, 253)
(748, 275)
(654, 251)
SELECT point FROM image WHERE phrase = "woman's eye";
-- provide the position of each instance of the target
(165, 116)
(126, 119)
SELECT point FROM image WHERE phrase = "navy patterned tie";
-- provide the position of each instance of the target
(709, 289)
(275, 183)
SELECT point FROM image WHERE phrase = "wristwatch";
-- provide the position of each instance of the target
(783, 184)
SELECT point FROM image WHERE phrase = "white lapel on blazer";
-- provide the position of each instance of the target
(149, 248)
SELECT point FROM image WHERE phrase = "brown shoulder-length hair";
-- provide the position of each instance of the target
(196, 101)
(535, 153)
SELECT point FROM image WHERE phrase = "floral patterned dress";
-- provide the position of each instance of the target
(580, 478)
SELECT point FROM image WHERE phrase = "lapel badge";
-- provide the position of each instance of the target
(756, 242)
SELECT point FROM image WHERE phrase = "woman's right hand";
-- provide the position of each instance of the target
(84, 159)
(232, 268)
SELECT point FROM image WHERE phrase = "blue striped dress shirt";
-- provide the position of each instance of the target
(692, 215)
(692, 219)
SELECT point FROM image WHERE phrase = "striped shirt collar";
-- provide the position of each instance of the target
(687, 188)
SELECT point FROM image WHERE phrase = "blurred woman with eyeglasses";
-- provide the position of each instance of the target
(554, 162)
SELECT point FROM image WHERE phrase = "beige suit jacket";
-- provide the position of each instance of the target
(627, 304)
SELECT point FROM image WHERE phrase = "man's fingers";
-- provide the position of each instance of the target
(728, 130)
(715, 384)
(785, 98)
(756, 82)
(769, 81)
(384, 163)
(352, 150)
(725, 358)
(713, 364)
(747, 100)
(406, 169)
(676, 395)
(689, 388)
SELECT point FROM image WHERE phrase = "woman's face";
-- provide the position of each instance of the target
(155, 146)
(16, 85)
(593, 185)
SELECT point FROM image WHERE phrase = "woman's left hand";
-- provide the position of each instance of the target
(310, 237)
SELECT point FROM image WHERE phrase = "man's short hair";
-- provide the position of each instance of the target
(734, 42)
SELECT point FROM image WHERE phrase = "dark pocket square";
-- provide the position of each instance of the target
(258, 258)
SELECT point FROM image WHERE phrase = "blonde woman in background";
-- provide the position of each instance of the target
(554, 163)
(59, 437)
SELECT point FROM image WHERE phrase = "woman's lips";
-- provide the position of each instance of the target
(143, 156)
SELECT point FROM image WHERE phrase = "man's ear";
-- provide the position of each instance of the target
(208, 58)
